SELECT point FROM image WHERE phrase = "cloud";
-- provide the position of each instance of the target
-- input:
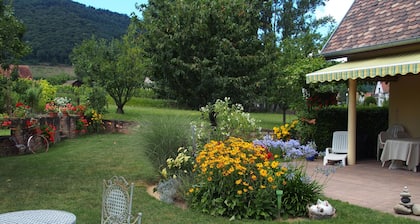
(335, 8)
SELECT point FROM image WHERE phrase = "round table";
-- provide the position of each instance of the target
(38, 217)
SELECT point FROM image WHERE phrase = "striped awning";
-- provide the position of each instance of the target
(369, 68)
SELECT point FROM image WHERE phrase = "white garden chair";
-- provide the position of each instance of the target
(395, 131)
(338, 150)
(117, 201)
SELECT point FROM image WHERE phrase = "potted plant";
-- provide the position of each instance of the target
(51, 108)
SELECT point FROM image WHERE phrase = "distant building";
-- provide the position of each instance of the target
(74, 83)
(23, 70)
(381, 92)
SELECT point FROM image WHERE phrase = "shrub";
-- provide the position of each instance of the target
(236, 179)
(97, 99)
(239, 179)
(369, 101)
(300, 191)
(177, 174)
(222, 120)
(286, 131)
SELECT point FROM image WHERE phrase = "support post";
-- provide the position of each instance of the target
(351, 123)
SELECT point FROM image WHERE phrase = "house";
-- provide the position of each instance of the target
(381, 41)
(23, 70)
(73, 83)
(381, 92)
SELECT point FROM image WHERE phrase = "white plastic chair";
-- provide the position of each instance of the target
(117, 200)
(395, 131)
(338, 150)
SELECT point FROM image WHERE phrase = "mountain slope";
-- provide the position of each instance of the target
(54, 27)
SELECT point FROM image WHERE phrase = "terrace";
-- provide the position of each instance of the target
(370, 185)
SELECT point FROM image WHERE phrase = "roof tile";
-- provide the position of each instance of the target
(376, 22)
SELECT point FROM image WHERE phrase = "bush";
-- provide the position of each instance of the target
(164, 136)
(239, 179)
(223, 120)
(369, 101)
(97, 99)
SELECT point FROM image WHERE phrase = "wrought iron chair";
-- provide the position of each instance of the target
(117, 199)
(338, 150)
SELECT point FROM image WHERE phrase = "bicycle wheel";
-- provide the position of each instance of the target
(38, 143)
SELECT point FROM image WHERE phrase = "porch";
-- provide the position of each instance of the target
(370, 185)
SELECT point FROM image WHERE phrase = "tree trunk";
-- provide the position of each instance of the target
(120, 110)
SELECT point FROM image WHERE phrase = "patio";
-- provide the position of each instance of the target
(370, 185)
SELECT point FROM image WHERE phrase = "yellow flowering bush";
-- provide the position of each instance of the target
(95, 121)
(237, 179)
(286, 131)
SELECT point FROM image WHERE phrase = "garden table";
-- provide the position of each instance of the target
(402, 149)
(38, 217)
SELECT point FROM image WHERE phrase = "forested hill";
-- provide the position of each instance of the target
(54, 27)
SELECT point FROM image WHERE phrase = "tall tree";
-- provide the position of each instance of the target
(299, 38)
(204, 50)
(115, 65)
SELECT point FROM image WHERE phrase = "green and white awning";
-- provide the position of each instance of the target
(369, 68)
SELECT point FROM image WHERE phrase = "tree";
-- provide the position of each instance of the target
(115, 65)
(11, 34)
(12, 48)
(204, 50)
(299, 41)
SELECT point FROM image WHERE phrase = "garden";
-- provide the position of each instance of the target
(69, 176)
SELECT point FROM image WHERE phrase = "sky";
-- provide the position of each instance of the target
(120, 6)
(335, 8)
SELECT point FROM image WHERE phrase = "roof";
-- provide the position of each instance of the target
(375, 24)
(24, 71)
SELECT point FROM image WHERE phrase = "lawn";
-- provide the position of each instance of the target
(69, 177)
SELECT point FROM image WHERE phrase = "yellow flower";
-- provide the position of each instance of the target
(253, 177)
(270, 179)
(239, 192)
(284, 169)
(263, 172)
(274, 164)
(164, 173)
(209, 179)
(237, 182)
(191, 190)
(262, 186)
(251, 188)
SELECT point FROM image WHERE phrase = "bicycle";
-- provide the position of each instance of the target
(35, 143)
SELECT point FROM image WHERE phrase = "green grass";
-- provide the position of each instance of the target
(48, 71)
(69, 177)
(139, 113)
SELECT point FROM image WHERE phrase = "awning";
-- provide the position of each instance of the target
(369, 68)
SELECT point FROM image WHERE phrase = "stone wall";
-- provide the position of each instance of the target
(65, 128)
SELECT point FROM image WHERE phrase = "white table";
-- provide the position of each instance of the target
(402, 149)
(38, 217)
